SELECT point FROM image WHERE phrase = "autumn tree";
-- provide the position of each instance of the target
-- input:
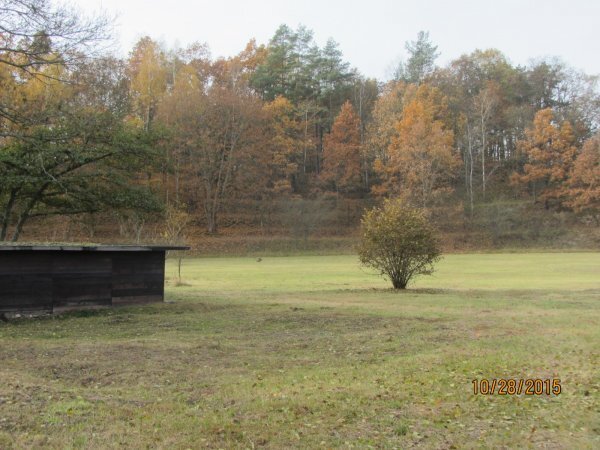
(316, 80)
(191, 70)
(488, 109)
(66, 146)
(548, 151)
(474, 122)
(341, 154)
(80, 160)
(182, 113)
(217, 125)
(280, 176)
(484, 104)
(148, 72)
(381, 129)
(226, 156)
(366, 92)
(36, 35)
(286, 144)
(398, 241)
(583, 193)
(421, 162)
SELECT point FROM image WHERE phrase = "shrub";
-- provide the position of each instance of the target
(399, 241)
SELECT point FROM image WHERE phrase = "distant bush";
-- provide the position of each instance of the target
(399, 241)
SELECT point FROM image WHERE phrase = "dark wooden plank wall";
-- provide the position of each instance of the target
(25, 281)
(138, 277)
(64, 280)
(81, 280)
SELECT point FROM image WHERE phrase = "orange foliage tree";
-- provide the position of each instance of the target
(421, 161)
(584, 181)
(284, 131)
(549, 152)
(387, 111)
(217, 134)
(341, 152)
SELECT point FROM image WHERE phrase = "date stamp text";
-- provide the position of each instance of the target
(513, 386)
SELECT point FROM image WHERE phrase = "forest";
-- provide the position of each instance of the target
(285, 139)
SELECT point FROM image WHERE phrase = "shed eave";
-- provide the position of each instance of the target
(91, 248)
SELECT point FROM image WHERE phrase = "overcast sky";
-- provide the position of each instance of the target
(371, 33)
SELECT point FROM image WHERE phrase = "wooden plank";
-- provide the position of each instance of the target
(81, 263)
(25, 292)
(25, 282)
(81, 280)
(25, 263)
(137, 281)
(136, 300)
(129, 263)
(138, 276)
(81, 289)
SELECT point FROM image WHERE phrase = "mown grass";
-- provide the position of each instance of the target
(316, 352)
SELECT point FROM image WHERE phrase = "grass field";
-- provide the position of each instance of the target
(311, 352)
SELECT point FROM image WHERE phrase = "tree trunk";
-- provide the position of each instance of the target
(399, 284)
(22, 219)
(177, 175)
(211, 222)
(470, 145)
(483, 144)
(25, 214)
(305, 146)
(7, 212)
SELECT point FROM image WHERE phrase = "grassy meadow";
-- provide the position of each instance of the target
(314, 351)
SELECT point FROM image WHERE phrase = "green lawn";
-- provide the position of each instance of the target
(316, 352)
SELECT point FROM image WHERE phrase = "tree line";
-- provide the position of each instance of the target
(176, 131)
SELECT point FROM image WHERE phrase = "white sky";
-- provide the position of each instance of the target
(371, 33)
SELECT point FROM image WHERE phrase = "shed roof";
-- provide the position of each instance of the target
(88, 248)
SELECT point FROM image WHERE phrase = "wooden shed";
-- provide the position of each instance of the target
(48, 278)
